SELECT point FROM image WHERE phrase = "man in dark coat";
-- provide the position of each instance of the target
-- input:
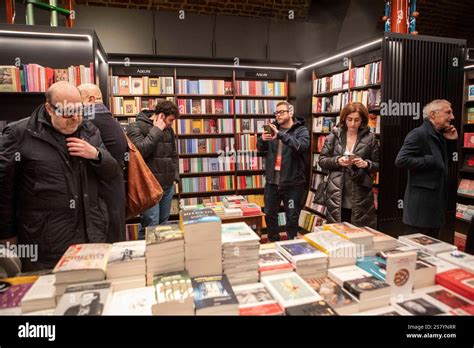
(285, 147)
(154, 138)
(50, 167)
(426, 153)
(113, 136)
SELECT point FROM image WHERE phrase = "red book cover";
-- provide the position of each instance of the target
(253, 88)
(249, 210)
(468, 139)
(459, 281)
(91, 66)
(49, 77)
(78, 75)
(266, 309)
(18, 80)
(448, 298)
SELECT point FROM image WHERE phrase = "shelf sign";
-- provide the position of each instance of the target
(265, 74)
(141, 71)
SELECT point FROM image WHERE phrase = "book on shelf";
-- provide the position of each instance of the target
(470, 115)
(459, 281)
(250, 181)
(290, 290)
(320, 143)
(331, 83)
(204, 86)
(254, 299)
(174, 294)
(251, 125)
(204, 165)
(468, 139)
(333, 103)
(206, 145)
(470, 92)
(205, 126)
(334, 295)
(83, 263)
(427, 244)
(207, 184)
(318, 308)
(85, 299)
(374, 123)
(145, 85)
(256, 106)
(365, 75)
(466, 187)
(37, 78)
(213, 295)
(216, 107)
(308, 220)
(468, 162)
(323, 124)
(374, 98)
(260, 88)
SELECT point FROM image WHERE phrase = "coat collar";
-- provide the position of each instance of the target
(429, 127)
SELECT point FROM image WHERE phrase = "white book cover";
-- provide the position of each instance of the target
(127, 251)
(332, 244)
(238, 232)
(441, 265)
(400, 273)
(254, 299)
(346, 273)
(271, 259)
(84, 256)
(133, 302)
(43, 289)
(297, 250)
(429, 244)
(459, 258)
(289, 289)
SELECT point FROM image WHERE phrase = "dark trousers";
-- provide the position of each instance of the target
(432, 232)
(293, 198)
(346, 215)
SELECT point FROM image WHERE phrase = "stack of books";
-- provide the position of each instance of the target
(240, 248)
(174, 294)
(271, 261)
(126, 266)
(214, 295)
(254, 299)
(308, 261)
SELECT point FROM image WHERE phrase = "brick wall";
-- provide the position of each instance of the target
(278, 9)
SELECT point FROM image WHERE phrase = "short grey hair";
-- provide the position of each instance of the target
(434, 105)
(288, 105)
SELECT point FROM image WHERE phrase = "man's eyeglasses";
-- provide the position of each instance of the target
(68, 110)
(281, 112)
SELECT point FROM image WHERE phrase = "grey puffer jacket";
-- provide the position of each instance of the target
(366, 147)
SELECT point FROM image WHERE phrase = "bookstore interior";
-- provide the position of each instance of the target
(231, 158)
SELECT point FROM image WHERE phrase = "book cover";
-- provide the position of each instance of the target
(84, 257)
(137, 86)
(129, 107)
(332, 293)
(162, 234)
(196, 216)
(254, 299)
(12, 294)
(318, 308)
(123, 252)
(138, 301)
(298, 248)
(270, 260)
(212, 291)
(401, 272)
(359, 287)
(420, 306)
(448, 298)
(61, 75)
(85, 299)
(154, 86)
(468, 139)
(470, 92)
(459, 258)
(238, 232)
(289, 289)
(8, 79)
(124, 86)
(459, 281)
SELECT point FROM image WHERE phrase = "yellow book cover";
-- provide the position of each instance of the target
(129, 107)
(154, 86)
(271, 88)
(198, 126)
(316, 245)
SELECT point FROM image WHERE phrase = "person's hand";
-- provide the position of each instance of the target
(344, 161)
(159, 122)
(267, 136)
(451, 133)
(81, 148)
(360, 163)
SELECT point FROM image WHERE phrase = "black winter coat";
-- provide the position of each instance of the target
(295, 146)
(43, 200)
(366, 147)
(158, 149)
(426, 154)
(113, 190)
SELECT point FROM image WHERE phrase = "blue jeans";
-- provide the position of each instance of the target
(159, 214)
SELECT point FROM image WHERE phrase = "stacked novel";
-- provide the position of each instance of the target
(232, 212)
(234, 201)
(202, 241)
(382, 241)
(240, 248)
(272, 262)
(343, 274)
(460, 259)
(308, 261)
(290, 290)
(425, 243)
(214, 295)
(12, 291)
(354, 234)
(138, 301)
(174, 294)
(126, 266)
(81, 263)
(341, 252)
(254, 299)
(250, 209)
(370, 291)
(41, 295)
(334, 295)
(441, 265)
(164, 250)
(85, 299)
(459, 281)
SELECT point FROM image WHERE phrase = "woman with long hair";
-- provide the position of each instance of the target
(351, 155)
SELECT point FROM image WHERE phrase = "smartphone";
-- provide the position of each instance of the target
(268, 129)
(351, 157)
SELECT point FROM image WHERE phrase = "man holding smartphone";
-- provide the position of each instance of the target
(426, 154)
(284, 143)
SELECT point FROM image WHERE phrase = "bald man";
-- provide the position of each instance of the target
(51, 164)
(114, 140)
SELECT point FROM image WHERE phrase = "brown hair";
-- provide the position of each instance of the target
(354, 107)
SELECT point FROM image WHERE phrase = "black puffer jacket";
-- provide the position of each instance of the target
(47, 197)
(295, 145)
(157, 147)
(366, 147)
